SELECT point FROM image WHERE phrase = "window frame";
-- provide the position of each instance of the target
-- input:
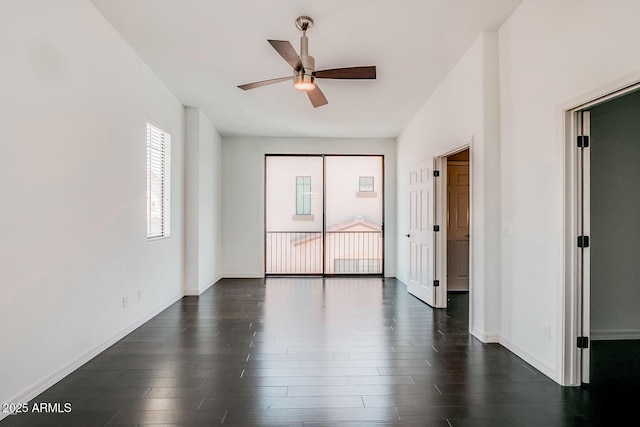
(159, 167)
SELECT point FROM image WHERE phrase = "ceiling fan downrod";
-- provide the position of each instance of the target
(304, 79)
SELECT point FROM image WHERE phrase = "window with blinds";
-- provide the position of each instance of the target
(158, 182)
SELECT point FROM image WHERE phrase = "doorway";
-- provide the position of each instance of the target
(608, 276)
(439, 227)
(458, 222)
(324, 215)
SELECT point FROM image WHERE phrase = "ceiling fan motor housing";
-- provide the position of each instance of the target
(303, 78)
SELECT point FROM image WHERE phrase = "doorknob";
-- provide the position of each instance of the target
(408, 235)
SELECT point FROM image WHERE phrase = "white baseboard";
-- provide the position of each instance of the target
(628, 334)
(531, 359)
(242, 276)
(198, 292)
(216, 280)
(485, 337)
(52, 379)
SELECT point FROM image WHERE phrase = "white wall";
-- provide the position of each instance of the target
(464, 105)
(203, 198)
(550, 53)
(75, 102)
(243, 194)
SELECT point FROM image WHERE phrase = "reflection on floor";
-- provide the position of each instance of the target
(314, 352)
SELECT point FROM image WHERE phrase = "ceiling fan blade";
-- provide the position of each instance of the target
(264, 83)
(317, 98)
(368, 72)
(286, 50)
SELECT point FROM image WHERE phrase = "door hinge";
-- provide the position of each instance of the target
(436, 228)
(583, 141)
(436, 283)
(583, 241)
(583, 342)
(436, 173)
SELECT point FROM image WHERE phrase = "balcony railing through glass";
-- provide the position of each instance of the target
(346, 252)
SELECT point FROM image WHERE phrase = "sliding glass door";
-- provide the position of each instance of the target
(324, 215)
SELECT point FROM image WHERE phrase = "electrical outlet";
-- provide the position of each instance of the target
(125, 302)
(139, 295)
(507, 231)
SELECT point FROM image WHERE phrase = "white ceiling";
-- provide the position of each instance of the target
(203, 49)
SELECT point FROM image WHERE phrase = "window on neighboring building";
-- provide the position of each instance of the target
(303, 195)
(366, 184)
(158, 182)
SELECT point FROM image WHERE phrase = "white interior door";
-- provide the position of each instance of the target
(420, 233)
(458, 226)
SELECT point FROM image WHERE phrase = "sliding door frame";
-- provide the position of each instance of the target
(324, 216)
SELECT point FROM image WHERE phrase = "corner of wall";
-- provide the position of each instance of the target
(191, 200)
(492, 178)
(203, 170)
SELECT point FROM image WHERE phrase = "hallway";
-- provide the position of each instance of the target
(310, 351)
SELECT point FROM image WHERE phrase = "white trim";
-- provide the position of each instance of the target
(402, 280)
(216, 280)
(440, 238)
(58, 375)
(569, 308)
(440, 252)
(628, 334)
(603, 93)
(456, 148)
(484, 337)
(198, 292)
(243, 276)
(531, 359)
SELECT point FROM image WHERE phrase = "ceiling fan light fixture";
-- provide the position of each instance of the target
(304, 82)
(304, 67)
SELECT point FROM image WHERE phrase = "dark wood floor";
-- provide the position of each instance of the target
(314, 352)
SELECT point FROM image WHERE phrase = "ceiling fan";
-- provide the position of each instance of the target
(304, 67)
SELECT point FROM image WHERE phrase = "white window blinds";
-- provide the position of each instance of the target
(158, 182)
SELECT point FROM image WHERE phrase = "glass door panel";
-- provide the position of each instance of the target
(294, 215)
(354, 241)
